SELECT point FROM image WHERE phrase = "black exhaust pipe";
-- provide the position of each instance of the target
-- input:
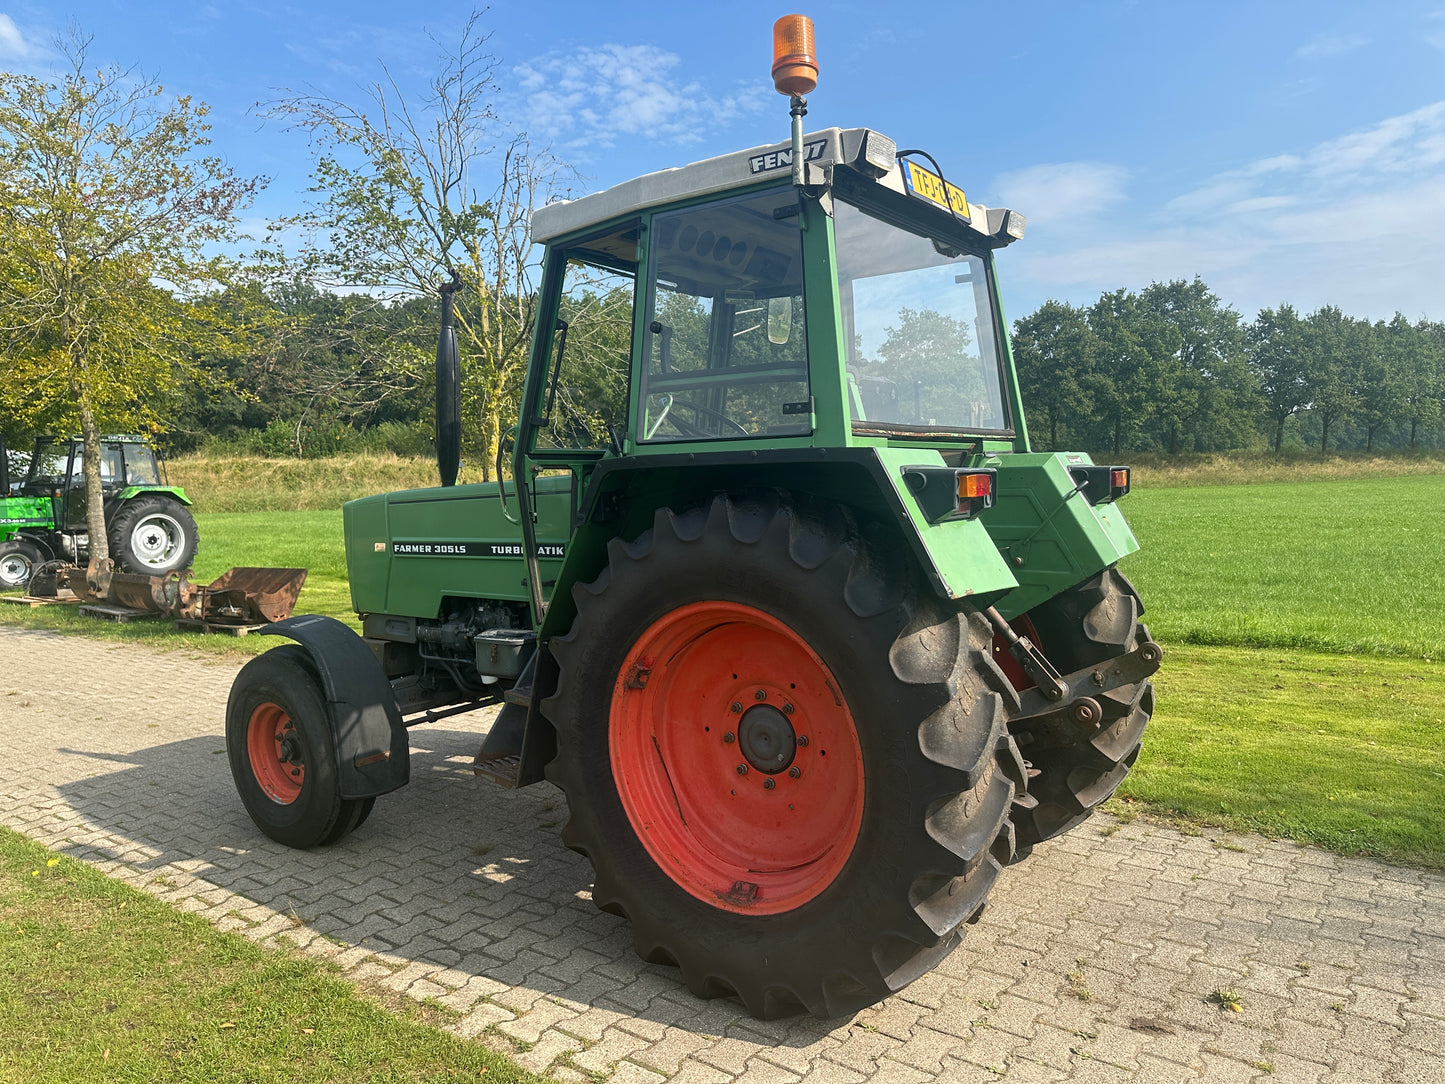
(449, 389)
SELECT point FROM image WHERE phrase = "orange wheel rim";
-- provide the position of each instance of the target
(273, 745)
(736, 758)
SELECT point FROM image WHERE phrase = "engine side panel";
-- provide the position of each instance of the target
(408, 550)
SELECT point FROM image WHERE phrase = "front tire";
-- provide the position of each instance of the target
(785, 758)
(18, 561)
(152, 536)
(1086, 625)
(278, 739)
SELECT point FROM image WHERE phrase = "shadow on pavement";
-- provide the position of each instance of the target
(450, 871)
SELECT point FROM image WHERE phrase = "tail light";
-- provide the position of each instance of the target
(946, 493)
(1100, 485)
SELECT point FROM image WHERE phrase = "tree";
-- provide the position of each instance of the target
(1055, 351)
(1422, 363)
(408, 191)
(1278, 359)
(1385, 374)
(1208, 399)
(105, 195)
(1138, 364)
(1335, 346)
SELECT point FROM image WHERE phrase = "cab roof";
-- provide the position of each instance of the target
(866, 152)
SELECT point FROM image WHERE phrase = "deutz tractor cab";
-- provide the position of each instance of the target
(775, 589)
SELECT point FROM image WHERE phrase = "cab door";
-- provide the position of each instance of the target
(575, 406)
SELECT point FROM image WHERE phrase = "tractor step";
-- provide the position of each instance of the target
(503, 769)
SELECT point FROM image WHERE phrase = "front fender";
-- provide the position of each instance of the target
(373, 755)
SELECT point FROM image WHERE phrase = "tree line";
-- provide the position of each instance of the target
(1172, 369)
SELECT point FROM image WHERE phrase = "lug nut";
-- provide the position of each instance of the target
(794, 772)
(730, 737)
(742, 769)
(787, 709)
(760, 695)
(802, 740)
(769, 783)
(736, 708)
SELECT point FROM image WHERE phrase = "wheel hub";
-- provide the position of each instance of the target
(767, 739)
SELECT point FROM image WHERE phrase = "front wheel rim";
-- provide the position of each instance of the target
(273, 745)
(14, 570)
(736, 758)
(156, 540)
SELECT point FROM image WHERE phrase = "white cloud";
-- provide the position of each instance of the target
(589, 97)
(1356, 220)
(1326, 45)
(12, 42)
(1061, 191)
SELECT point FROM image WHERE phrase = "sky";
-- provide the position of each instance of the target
(1283, 151)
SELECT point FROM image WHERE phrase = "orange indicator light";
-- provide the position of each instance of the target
(795, 60)
(1119, 478)
(975, 485)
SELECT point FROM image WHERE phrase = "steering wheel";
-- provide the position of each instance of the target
(693, 429)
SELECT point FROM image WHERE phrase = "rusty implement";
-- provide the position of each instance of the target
(166, 594)
(239, 596)
(249, 596)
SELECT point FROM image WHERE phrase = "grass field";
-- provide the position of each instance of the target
(1301, 619)
(1344, 566)
(104, 982)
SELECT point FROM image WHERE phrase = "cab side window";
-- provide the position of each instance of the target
(725, 339)
(585, 403)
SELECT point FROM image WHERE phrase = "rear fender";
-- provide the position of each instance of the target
(957, 559)
(153, 491)
(373, 755)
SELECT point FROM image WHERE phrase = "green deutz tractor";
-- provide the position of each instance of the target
(776, 592)
(42, 516)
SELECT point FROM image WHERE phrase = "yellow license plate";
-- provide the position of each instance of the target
(933, 188)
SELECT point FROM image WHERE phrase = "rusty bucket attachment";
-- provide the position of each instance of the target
(167, 594)
(249, 596)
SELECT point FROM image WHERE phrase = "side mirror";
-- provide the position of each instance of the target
(780, 319)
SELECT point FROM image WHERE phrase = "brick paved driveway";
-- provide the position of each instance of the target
(1095, 960)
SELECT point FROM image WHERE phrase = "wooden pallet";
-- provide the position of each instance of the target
(195, 624)
(121, 615)
(32, 601)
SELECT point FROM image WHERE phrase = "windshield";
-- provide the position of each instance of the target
(922, 353)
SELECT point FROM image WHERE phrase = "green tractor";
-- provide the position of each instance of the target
(776, 592)
(42, 516)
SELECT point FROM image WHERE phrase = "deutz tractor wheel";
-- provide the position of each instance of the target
(1077, 769)
(18, 560)
(281, 752)
(152, 536)
(787, 761)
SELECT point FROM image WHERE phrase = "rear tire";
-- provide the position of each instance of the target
(18, 561)
(152, 536)
(278, 738)
(834, 887)
(1087, 624)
